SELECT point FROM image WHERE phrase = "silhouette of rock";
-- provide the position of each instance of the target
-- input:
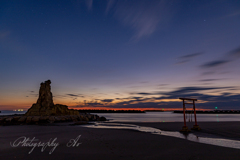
(44, 111)
(45, 95)
(45, 105)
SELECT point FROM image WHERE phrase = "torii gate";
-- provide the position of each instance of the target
(195, 127)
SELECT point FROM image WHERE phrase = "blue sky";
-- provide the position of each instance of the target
(120, 53)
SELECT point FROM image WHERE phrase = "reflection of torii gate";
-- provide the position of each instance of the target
(195, 127)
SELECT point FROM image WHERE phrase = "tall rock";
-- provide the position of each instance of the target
(45, 105)
(45, 95)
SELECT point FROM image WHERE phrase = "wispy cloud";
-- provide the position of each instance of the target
(143, 17)
(188, 57)
(74, 95)
(107, 100)
(69, 96)
(225, 100)
(235, 52)
(208, 73)
(183, 91)
(191, 55)
(209, 80)
(233, 14)
(89, 4)
(110, 4)
(228, 57)
(214, 63)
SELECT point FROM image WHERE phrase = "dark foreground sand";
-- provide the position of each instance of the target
(118, 144)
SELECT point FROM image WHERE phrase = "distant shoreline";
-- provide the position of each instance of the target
(212, 112)
(109, 111)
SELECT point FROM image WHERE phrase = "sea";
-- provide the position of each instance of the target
(156, 117)
(168, 117)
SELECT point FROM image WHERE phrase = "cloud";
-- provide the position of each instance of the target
(74, 95)
(163, 84)
(183, 91)
(208, 73)
(191, 55)
(89, 4)
(214, 63)
(225, 100)
(182, 62)
(137, 98)
(32, 94)
(143, 17)
(93, 104)
(190, 90)
(188, 57)
(107, 100)
(235, 52)
(209, 80)
(110, 4)
(236, 13)
(143, 93)
(228, 57)
(69, 95)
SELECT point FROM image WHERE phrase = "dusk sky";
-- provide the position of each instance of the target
(120, 53)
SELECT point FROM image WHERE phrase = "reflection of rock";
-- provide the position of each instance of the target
(45, 105)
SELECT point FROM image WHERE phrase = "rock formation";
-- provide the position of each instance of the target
(45, 95)
(45, 105)
(44, 111)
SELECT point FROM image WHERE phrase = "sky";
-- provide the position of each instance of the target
(120, 54)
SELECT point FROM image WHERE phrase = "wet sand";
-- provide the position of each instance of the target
(117, 144)
(229, 130)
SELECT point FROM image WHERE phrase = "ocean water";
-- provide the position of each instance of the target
(7, 112)
(156, 117)
(167, 117)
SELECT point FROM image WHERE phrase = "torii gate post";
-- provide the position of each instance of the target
(195, 127)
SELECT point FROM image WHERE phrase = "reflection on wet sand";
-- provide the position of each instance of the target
(190, 136)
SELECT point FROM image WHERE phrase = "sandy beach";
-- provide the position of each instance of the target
(78, 142)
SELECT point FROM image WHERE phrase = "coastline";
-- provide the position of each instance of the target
(118, 143)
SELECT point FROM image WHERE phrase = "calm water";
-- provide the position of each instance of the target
(6, 112)
(167, 117)
(156, 117)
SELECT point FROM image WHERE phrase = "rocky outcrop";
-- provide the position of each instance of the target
(44, 111)
(45, 95)
(78, 119)
(45, 105)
